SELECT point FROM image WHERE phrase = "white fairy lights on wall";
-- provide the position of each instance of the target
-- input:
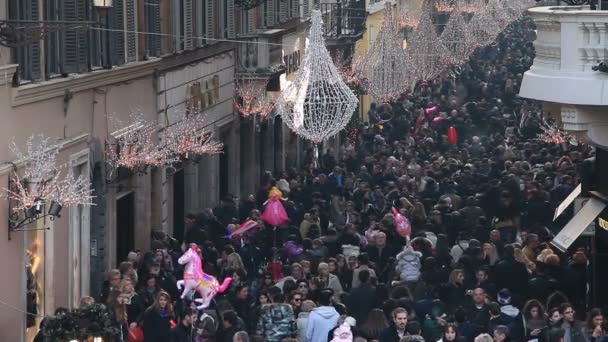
(188, 138)
(251, 98)
(42, 181)
(385, 65)
(318, 104)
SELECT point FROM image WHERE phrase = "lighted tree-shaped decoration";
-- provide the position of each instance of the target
(40, 167)
(426, 55)
(385, 65)
(251, 98)
(72, 190)
(188, 137)
(135, 146)
(482, 27)
(318, 104)
(42, 181)
(456, 38)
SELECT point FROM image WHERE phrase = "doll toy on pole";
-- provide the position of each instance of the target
(274, 213)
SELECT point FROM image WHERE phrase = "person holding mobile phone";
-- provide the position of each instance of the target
(594, 328)
(534, 320)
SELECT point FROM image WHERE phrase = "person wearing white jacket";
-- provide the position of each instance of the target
(408, 264)
(322, 319)
(302, 321)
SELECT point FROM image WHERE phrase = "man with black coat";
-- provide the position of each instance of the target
(183, 331)
(362, 299)
(395, 331)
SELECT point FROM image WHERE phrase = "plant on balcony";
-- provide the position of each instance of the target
(248, 4)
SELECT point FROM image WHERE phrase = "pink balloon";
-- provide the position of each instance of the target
(402, 224)
(431, 110)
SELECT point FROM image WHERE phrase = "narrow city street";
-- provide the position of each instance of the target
(289, 170)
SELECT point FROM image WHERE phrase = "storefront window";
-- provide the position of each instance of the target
(35, 275)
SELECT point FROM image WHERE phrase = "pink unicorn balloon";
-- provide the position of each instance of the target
(196, 280)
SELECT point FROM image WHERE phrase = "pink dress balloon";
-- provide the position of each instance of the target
(274, 213)
(402, 224)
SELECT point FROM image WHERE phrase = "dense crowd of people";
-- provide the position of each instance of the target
(477, 266)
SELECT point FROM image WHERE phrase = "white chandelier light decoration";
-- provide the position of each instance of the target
(427, 56)
(456, 38)
(188, 138)
(42, 181)
(385, 65)
(251, 98)
(318, 104)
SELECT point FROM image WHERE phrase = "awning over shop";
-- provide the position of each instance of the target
(577, 225)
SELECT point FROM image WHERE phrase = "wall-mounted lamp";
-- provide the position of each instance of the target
(34, 213)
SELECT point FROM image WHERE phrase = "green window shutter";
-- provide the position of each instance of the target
(152, 17)
(210, 20)
(117, 22)
(295, 8)
(131, 24)
(28, 56)
(188, 25)
(270, 13)
(283, 10)
(75, 45)
(230, 29)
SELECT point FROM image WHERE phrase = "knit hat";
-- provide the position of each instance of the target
(504, 297)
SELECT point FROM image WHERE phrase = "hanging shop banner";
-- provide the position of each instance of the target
(565, 203)
(577, 225)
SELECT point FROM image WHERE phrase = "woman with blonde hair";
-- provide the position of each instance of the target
(157, 319)
(522, 258)
(456, 289)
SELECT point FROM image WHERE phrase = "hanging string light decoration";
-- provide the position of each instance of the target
(407, 19)
(482, 27)
(188, 138)
(426, 55)
(385, 65)
(251, 98)
(456, 38)
(317, 104)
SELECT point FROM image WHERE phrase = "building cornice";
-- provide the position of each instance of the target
(80, 82)
(193, 56)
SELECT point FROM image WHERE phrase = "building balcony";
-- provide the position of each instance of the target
(344, 22)
(570, 42)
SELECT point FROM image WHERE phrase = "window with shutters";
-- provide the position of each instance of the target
(229, 29)
(199, 21)
(282, 10)
(269, 13)
(28, 56)
(295, 8)
(210, 20)
(152, 25)
(74, 48)
(123, 38)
